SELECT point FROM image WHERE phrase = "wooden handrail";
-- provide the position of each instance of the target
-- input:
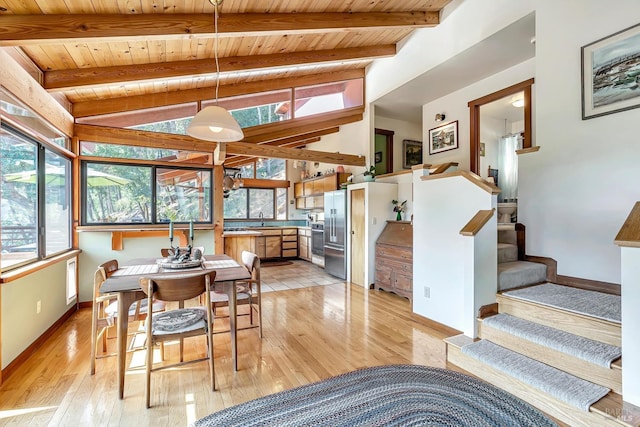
(629, 234)
(442, 167)
(477, 222)
(472, 177)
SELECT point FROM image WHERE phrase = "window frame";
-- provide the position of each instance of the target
(153, 166)
(41, 148)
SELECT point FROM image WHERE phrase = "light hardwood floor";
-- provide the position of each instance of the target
(310, 333)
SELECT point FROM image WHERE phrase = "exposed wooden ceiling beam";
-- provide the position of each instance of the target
(95, 77)
(182, 142)
(22, 30)
(237, 160)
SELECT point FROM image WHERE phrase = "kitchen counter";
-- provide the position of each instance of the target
(241, 233)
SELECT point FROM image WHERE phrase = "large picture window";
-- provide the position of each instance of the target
(35, 192)
(131, 194)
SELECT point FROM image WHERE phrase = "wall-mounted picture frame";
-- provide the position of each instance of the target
(443, 138)
(411, 153)
(378, 158)
(482, 148)
(611, 74)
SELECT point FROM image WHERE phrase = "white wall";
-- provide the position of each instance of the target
(575, 193)
(490, 132)
(463, 24)
(21, 326)
(403, 130)
(443, 260)
(455, 107)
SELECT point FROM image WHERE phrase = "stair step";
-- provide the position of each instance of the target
(556, 317)
(579, 356)
(507, 252)
(561, 385)
(543, 401)
(520, 273)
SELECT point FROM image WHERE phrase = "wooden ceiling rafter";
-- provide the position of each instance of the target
(156, 100)
(269, 132)
(62, 80)
(24, 30)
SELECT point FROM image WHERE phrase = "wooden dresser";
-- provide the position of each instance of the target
(394, 259)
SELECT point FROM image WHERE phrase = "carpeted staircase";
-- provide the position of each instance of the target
(554, 346)
(512, 272)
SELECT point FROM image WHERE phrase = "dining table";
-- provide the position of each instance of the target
(125, 282)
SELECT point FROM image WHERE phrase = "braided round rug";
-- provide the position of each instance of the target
(390, 395)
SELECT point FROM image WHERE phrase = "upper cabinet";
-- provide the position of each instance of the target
(309, 193)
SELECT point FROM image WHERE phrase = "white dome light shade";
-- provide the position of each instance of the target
(216, 124)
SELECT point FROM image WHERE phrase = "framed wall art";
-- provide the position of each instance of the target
(443, 138)
(611, 74)
(411, 153)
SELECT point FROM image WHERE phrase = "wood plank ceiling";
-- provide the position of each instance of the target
(97, 54)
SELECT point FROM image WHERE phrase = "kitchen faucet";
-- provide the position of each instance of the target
(261, 216)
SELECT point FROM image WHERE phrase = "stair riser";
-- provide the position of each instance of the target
(507, 254)
(610, 378)
(535, 397)
(577, 324)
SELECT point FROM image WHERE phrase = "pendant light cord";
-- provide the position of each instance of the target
(215, 47)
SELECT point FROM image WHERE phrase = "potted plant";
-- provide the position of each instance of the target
(398, 208)
(370, 174)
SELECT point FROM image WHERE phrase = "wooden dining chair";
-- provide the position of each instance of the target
(105, 311)
(248, 293)
(179, 323)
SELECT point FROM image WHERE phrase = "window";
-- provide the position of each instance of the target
(115, 151)
(126, 194)
(250, 203)
(35, 193)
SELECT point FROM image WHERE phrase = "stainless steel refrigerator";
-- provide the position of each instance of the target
(335, 233)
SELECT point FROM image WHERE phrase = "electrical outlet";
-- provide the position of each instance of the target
(38, 307)
(427, 292)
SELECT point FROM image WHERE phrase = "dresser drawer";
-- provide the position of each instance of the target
(403, 282)
(388, 251)
(383, 276)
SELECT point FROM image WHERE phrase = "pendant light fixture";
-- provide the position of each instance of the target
(214, 123)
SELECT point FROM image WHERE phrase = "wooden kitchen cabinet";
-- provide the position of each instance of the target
(309, 193)
(304, 240)
(394, 259)
(289, 242)
(273, 243)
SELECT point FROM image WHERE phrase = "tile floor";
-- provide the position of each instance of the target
(298, 274)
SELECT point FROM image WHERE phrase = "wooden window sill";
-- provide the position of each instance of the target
(17, 273)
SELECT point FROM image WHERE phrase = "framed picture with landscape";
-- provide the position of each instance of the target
(611, 74)
(443, 138)
(411, 153)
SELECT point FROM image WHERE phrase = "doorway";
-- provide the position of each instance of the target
(383, 152)
(357, 221)
(474, 119)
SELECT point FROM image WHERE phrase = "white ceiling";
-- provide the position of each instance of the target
(504, 49)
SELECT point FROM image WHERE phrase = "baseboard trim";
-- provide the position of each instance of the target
(443, 329)
(85, 304)
(22, 357)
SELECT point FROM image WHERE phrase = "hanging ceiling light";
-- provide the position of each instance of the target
(214, 123)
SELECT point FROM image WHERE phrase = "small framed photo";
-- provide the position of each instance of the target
(378, 157)
(482, 152)
(411, 153)
(610, 78)
(443, 138)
